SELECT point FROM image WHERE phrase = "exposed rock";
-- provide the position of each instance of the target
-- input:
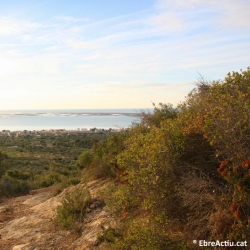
(26, 223)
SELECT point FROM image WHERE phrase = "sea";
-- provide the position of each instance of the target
(68, 119)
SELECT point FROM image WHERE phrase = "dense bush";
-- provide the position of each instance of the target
(12, 187)
(3, 156)
(85, 159)
(188, 168)
(101, 160)
(137, 235)
(220, 113)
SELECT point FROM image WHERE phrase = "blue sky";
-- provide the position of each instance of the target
(59, 54)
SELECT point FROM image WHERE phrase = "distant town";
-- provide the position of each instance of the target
(55, 132)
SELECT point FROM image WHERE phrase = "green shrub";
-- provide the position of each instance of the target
(50, 179)
(73, 209)
(101, 161)
(65, 182)
(119, 199)
(108, 235)
(137, 235)
(18, 174)
(85, 159)
(12, 187)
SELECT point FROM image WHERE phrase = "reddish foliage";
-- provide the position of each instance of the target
(224, 172)
(233, 206)
(245, 163)
(237, 213)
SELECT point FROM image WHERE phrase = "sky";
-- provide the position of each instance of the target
(84, 54)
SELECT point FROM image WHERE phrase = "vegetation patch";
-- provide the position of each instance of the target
(71, 213)
(35, 161)
(180, 174)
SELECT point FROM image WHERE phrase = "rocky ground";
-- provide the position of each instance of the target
(27, 222)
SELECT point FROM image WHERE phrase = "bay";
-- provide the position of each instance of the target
(18, 120)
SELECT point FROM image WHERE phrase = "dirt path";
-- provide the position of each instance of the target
(26, 223)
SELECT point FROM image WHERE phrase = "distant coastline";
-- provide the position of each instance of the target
(70, 120)
(73, 112)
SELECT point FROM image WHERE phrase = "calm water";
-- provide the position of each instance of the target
(67, 119)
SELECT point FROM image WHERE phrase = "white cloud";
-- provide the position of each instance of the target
(79, 44)
(229, 13)
(10, 26)
(162, 5)
(144, 58)
(235, 14)
(167, 21)
(23, 66)
(71, 19)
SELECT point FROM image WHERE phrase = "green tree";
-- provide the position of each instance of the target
(3, 156)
